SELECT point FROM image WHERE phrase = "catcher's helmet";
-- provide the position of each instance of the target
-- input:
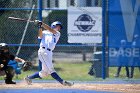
(54, 24)
(3, 46)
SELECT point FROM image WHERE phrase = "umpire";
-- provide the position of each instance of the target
(5, 57)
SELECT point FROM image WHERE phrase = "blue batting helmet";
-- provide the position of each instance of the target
(54, 24)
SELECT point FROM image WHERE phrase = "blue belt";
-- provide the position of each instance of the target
(47, 49)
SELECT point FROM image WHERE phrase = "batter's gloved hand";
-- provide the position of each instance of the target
(26, 66)
(39, 23)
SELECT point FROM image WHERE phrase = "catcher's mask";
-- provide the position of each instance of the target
(4, 49)
(54, 24)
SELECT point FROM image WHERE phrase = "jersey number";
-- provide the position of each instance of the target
(54, 38)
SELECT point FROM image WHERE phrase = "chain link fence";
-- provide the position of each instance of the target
(14, 32)
(22, 36)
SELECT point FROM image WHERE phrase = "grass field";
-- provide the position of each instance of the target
(77, 71)
(68, 71)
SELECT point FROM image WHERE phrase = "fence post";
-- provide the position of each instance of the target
(40, 18)
(40, 9)
(103, 39)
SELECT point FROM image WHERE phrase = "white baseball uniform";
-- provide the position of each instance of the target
(47, 44)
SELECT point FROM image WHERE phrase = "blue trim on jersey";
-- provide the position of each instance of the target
(54, 38)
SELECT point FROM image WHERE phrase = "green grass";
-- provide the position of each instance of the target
(74, 71)
(77, 71)
(68, 71)
(113, 70)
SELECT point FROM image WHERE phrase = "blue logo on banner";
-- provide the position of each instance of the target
(84, 23)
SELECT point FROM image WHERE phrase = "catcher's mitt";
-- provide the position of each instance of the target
(26, 66)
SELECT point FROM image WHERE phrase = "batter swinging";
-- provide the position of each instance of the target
(49, 38)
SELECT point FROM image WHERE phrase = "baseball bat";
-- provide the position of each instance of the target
(20, 19)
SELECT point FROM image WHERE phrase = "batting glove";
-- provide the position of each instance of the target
(39, 23)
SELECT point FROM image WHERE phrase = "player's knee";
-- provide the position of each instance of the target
(52, 72)
(43, 74)
(46, 72)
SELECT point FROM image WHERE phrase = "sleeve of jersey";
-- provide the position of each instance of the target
(57, 34)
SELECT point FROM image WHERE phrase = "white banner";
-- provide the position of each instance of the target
(84, 24)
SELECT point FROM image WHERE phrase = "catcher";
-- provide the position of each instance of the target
(5, 67)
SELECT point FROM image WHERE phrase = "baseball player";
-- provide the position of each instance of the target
(5, 67)
(49, 38)
(121, 60)
(135, 59)
(5, 57)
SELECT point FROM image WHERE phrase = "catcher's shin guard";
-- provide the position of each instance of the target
(9, 75)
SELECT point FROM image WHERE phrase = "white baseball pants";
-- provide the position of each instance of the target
(45, 57)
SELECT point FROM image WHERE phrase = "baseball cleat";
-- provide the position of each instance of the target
(66, 83)
(10, 82)
(28, 81)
